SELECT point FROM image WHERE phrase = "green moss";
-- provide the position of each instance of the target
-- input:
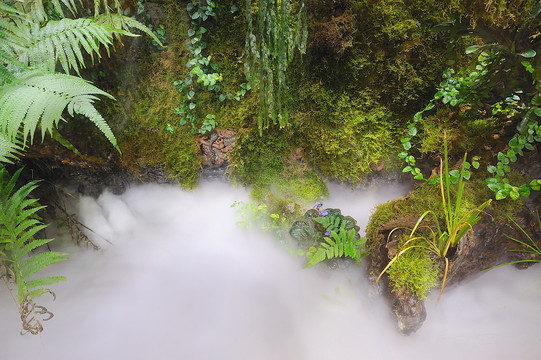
(503, 13)
(414, 270)
(267, 165)
(343, 136)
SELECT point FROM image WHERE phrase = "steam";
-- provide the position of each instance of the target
(179, 280)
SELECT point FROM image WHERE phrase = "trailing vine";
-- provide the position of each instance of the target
(202, 71)
(528, 133)
(270, 52)
(468, 91)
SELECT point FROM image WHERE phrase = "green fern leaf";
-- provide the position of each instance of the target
(8, 149)
(39, 262)
(63, 40)
(126, 23)
(18, 225)
(48, 95)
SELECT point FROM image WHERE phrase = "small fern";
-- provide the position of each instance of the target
(340, 243)
(19, 224)
(334, 234)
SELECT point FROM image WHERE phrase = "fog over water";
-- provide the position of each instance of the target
(181, 281)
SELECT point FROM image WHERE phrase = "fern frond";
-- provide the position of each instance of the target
(63, 41)
(127, 24)
(18, 225)
(47, 96)
(35, 9)
(9, 149)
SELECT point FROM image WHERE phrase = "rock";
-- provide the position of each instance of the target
(487, 246)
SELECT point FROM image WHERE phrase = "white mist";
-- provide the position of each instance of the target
(181, 281)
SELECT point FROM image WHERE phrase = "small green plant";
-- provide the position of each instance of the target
(18, 225)
(438, 241)
(528, 133)
(260, 214)
(530, 246)
(159, 32)
(329, 235)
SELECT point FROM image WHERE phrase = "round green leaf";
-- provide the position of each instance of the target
(528, 54)
(501, 194)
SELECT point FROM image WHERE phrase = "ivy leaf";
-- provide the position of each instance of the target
(454, 175)
(222, 98)
(537, 111)
(514, 194)
(524, 190)
(501, 194)
(472, 49)
(412, 131)
(192, 106)
(191, 32)
(528, 54)
(534, 184)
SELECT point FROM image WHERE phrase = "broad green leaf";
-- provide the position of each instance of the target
(528, 54)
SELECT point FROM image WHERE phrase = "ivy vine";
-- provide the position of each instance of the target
(203, 71)
(468, 91)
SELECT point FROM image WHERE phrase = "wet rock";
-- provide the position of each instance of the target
(487, 246)
(408, 309)
(215, 148)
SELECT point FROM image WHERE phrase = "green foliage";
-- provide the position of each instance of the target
(502, 13)
(528, 133)
(62, 41)
(528, 247)
(395, 54)
(270, 52)
(334, 234)
(49, 95)
(259, 161)
(262, 216)
(340, 243)
(456, 225)
(18, 225)
(202, 73)
(32, 45)
(414, 270)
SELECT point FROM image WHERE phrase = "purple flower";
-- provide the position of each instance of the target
(324, 213)
(327, 233)
(317, 205)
